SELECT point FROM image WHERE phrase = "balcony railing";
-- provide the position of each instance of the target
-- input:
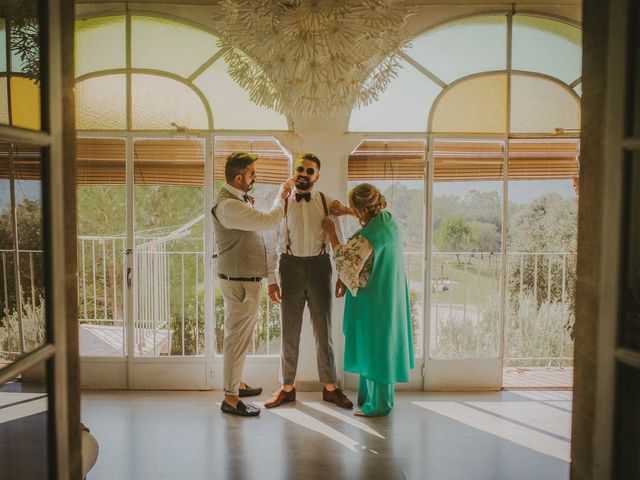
(466, 304)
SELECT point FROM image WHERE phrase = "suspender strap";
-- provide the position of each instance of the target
(286, 226)
(324, 204)
(326, 214)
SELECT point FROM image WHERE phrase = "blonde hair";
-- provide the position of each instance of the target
(367, 201)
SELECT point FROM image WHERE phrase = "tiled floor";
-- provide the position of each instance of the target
(435, 436)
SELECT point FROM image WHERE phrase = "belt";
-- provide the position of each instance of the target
(240, 279)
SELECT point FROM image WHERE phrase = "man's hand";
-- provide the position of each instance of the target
(341, 289)
(274, 292)
(285, 189)
(338, 208)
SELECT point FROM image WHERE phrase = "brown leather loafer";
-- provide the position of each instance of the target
(337, 397)
(280, 398)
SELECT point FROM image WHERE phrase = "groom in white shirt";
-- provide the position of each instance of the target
(305, 279)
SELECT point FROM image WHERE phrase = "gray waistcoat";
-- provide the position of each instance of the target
(240, 253)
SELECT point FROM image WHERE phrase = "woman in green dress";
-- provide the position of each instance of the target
(377, 316)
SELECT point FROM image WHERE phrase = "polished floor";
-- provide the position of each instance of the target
(537, 377)
(436, 436)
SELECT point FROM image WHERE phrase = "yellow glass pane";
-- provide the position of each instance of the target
(475, 105)
(231, 105)
(25, 103)
(99, 44)
(163, 44)
(403, 107)
(539, 105)
(159, 102)
(4, 102)
(101, 103)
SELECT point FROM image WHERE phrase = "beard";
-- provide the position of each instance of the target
(303, 184)
(247, 187)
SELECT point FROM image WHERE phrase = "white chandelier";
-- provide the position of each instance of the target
(313, 57)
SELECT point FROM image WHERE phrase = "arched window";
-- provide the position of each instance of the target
(484, 74)
(139, 73)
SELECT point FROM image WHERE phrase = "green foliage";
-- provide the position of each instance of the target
(464, 336)
(548, 224)
(33, 327)
(454, 235)
(29, 219)
(537, 331)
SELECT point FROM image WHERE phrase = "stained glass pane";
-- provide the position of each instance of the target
(539, 105)
(25, 103)
(463, 47)
(101, 103)
(4, 102)
(476, 105)
(232, 108)
(99, 44)
(160, 102)
(403, 107)
(547, 46)
(163, 44)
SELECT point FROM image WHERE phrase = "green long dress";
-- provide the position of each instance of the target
(377, 321)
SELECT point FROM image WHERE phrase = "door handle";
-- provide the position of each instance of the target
(129, 277)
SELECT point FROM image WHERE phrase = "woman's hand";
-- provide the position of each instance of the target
(338, 208)
(328, 227)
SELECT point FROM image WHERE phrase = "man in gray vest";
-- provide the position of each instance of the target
(305, 278)
(242, 263)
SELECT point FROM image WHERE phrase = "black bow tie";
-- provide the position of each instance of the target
(305, 196)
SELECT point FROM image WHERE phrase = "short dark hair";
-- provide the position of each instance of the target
(311, 157)
(237, 163)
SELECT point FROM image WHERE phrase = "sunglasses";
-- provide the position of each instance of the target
(310, 171)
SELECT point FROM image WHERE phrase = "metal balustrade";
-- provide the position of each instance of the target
(169, 302)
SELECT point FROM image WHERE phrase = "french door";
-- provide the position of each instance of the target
(463, 335)
(144, 262)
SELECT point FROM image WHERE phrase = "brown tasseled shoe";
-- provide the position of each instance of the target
(337, 397)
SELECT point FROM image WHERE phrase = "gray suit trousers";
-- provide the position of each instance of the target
(306, 281)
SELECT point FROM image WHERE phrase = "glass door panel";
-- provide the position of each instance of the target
(168, 255)
(101, 214)
(22, 294)
(465, 316)
(541, 263)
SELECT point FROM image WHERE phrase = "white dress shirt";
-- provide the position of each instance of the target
(242, 215)
(305, 229)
